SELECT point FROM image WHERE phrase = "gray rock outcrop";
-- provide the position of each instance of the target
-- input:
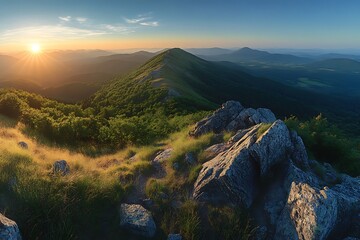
(266, 169)
(8, 229)
(163, 156)
(231, 177)
(232, 116)
(310, 213)
(137, 220)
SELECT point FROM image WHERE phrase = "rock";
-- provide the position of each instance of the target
(137, 220)
(229, 177)
(163, 156)
(250, 117)
(238, 135)
(8, 229)
(233, 174)
(232, 116)
(351, 238)
(174, 237)
(260, 233)
(218, 121)
(214, 150)
(61, 167)
(190, 158)
(295, 174)
(299, 154)
(348, 198)
(272, 146)
(269, 173)
(176, 166)
(330, 175)
(23, 145)
(310, 213)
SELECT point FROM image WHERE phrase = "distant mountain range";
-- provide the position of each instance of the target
(250, 55)
(194, 83)
(337, 64)
(67, 75)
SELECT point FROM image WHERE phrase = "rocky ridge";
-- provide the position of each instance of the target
(265, 168)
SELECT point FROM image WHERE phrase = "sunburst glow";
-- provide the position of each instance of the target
(35, 48)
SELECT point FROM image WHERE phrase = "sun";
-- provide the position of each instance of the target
(35, 48)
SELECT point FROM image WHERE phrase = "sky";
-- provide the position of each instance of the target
(125, 24)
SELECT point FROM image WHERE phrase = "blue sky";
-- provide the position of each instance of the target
(197, 23)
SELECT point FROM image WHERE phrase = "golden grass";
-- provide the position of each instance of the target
(107, 166)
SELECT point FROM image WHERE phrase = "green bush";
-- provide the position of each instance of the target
(325, 142)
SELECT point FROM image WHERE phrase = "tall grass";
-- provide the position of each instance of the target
(81, 205)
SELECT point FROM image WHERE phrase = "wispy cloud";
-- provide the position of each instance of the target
(135, 20)
(151, 24)
(119, 28)
(143, 20)
(49, 32)
(81, 19)
(76, 28)
(66, 19)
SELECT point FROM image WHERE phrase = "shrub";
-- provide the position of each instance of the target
(327, 143)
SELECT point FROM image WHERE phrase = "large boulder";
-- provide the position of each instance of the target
(218, 121)
(265, 167)
(310, 213)
(249, 117)
(230, 177)
(137, 220)
(8, 229)
(232, 116)
(272, 147)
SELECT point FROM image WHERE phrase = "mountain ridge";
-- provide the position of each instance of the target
(247, 54)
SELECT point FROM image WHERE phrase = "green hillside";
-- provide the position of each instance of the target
(193, 83)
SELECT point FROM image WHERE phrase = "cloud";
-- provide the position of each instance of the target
(150, 24)
(49, 32)
(66, 19)
(81, 19)
(117, 28)
(135, 20)
(143, 20)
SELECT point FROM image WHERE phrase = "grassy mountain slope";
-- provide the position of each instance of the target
(203, 85)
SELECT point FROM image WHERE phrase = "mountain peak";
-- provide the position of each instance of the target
(178, 56)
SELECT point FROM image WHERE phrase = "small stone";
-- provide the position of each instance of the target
(137, 220)
(163, 156)
(174, 237)
(8, 229)
(23, 145)
(190, 158)
(61, 167)
(176, 166)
